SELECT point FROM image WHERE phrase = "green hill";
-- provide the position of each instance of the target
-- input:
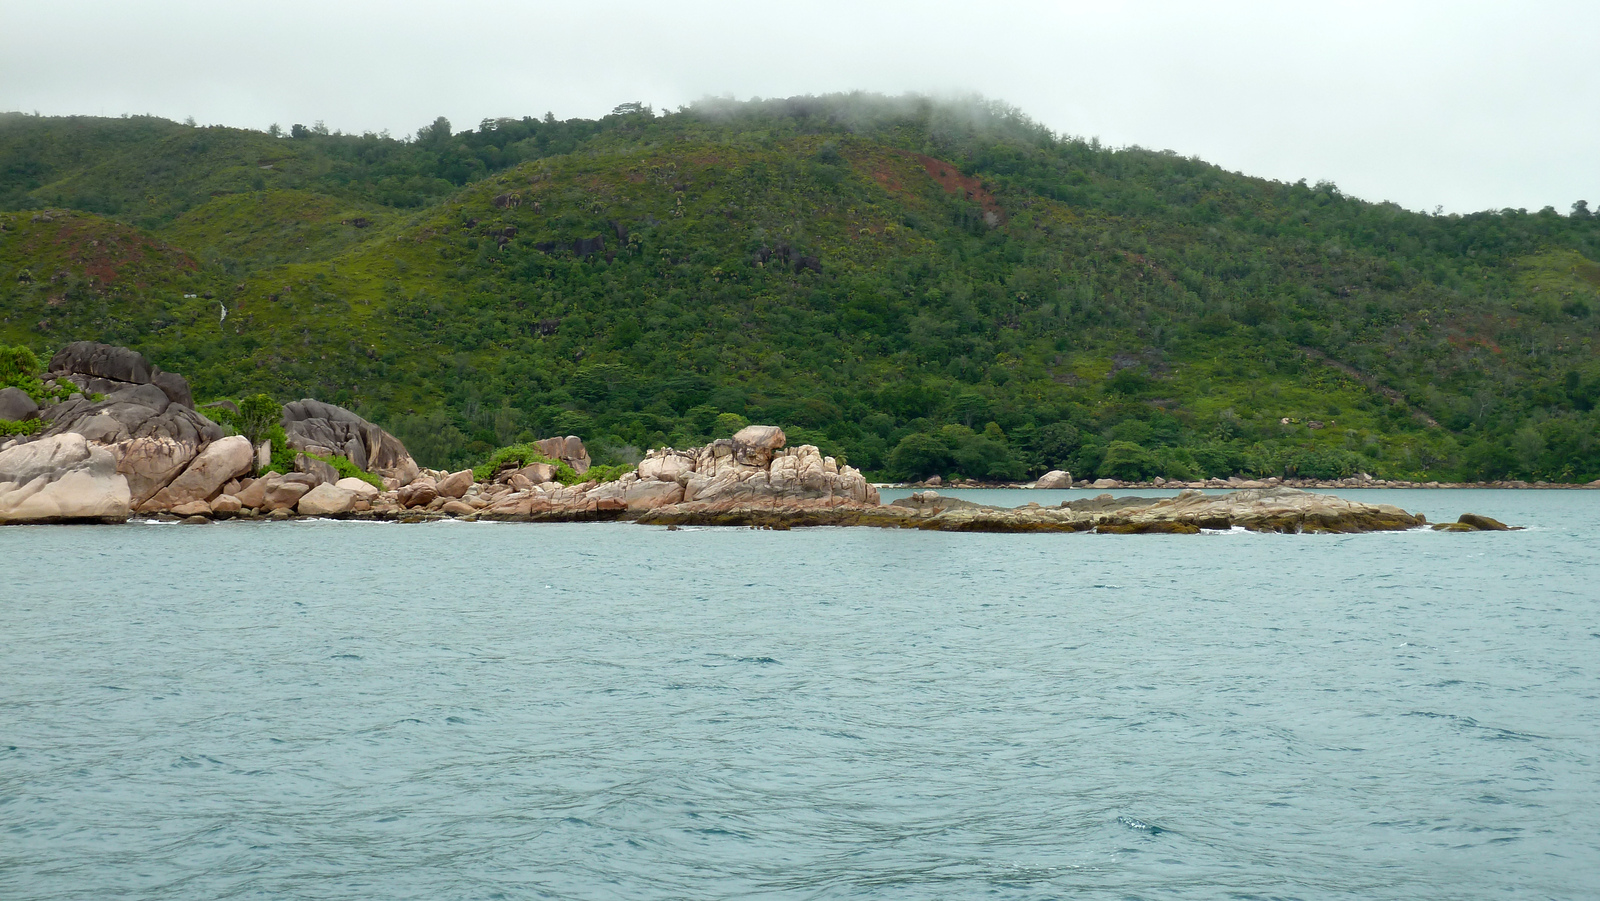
(920, 287)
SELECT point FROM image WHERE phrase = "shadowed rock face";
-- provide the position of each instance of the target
(106, 369)
(754, 445)
(16, 405)
(319, 428)
(147, 419)
(103, 360)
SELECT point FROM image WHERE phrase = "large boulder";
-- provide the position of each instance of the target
(569, 450)
(16, 405)
(107, 369)
(175, 386)
(754, 445)
(455, 484)
(320, 428)
(1055, 478)
(285, 492)
(150, 463)
(254, 495)
(61, 478)
(326, 500)
(362, 490)
(106, 361)
(213, 467)
(536, 473)
(420, 492)
(666, 465)
(650, 494)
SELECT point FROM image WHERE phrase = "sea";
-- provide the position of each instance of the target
(335, 710)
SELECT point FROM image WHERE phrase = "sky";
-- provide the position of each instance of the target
(1461, 105)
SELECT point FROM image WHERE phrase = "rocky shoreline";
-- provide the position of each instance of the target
(128, 442)
(1232, 484)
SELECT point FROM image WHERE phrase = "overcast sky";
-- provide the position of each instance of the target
(1463, 105)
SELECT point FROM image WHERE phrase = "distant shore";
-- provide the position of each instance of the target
(1234, 484)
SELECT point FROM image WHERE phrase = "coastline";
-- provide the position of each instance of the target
(1235, 484)
(1276, 510)
(127, 440)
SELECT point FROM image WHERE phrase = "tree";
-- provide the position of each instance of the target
(1126, 460)
(918, 456)
(257, 417)
(435, 135)
(1580, 210)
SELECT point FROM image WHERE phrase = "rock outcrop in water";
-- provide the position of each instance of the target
(751, 471)
(1265, 510)
(1285, 510)
(164, 455)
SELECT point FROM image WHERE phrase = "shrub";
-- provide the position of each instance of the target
(258, 415)
(282, 454)
(348, 470)
(9, 428)
(608, 473)
(522, 455)
(20, 368)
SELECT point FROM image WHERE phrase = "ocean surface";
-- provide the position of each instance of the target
(609, 711)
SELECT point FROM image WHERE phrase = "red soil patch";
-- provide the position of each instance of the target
(105, 255)
(953, 182)
(948, 177)
(1462, 342)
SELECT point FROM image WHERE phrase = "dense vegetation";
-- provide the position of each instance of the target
(920, 287)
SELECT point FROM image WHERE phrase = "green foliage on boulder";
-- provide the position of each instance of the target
(20, 368)
(9, 428)
(520, 455)
(348, 470)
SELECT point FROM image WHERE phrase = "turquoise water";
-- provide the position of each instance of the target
(452, 710)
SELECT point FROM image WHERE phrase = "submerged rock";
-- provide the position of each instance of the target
(1472, 522)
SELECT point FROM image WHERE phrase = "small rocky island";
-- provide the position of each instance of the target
(129, 442)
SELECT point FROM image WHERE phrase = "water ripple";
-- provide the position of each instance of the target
(328, 710)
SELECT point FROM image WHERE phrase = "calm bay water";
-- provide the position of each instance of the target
(343, 710)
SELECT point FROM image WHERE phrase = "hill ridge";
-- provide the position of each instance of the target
(1123, 313)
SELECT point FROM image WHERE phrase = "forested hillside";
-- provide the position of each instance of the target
(920, 287)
